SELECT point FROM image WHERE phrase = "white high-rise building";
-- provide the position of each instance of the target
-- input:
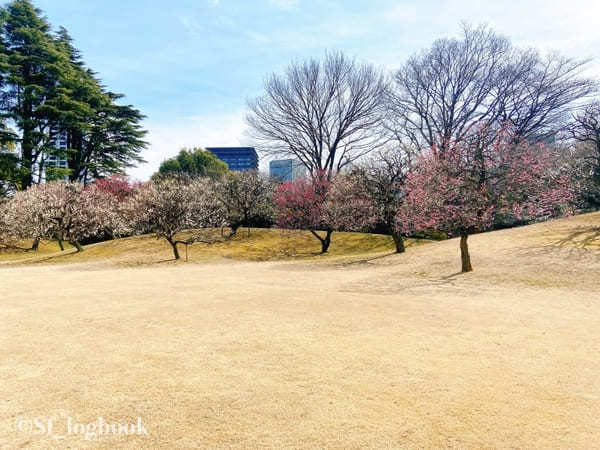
(59, 141)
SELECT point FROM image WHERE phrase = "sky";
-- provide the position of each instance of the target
(191, 65)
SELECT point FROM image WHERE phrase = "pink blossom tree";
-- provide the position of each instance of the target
(467, 187)
(323, 206)
(119, 186)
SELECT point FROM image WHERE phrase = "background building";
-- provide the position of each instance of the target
(56, 166)
(286, 169)
(237, 158)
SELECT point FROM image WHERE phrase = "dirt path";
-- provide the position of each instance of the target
(381, 352)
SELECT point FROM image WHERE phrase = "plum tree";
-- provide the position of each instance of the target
(321, 205)
(465, 188)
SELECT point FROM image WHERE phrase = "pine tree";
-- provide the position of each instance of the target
(114, 142)
(9, 171)
(103, 137)
(30, 64)
(47, 91)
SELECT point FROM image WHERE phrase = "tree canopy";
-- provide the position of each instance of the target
(47, 92)
(194, 162)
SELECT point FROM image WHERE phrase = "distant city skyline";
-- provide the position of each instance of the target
(189, 66)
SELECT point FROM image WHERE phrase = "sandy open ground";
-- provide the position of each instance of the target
(375, 352)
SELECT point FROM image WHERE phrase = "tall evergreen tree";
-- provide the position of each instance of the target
(103, 137)
(46, 91)
(30, 64)
(114, 142)
(9, 170)
(10, 175)
(76, 92)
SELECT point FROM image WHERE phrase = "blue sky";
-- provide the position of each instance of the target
(190, 65)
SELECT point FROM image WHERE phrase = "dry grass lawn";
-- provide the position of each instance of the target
(257, 245)
(347, 351)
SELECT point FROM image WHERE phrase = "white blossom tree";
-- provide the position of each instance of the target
(27, 217)
(169, 206)
(7, 234)
(247, 198)
(62, 211)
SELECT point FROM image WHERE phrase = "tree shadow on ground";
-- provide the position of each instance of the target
(452, 277)
(36, 259)
(170, 260)
(579, 245)
(365, 260)
(581, 238)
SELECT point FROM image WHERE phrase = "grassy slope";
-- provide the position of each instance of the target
(45, 249)
(579, 232)
(261, 245)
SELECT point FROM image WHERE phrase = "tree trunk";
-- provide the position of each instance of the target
(247, 222)
(597, 166)
(174, 247)
(35, 245)
(398, 241)
(464, 254)
(77, 245)
(234, 227)
(27, 155)
(60, 243)
(325, 242)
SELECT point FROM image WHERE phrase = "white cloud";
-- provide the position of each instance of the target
(568, 27)
(166, 139)
(258, 37)
(222, 24)
(284, 4)
(192, 26)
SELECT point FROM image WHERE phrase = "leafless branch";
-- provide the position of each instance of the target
(482, 80)
(325, 113)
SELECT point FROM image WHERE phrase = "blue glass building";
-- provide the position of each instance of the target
(286, 170)
(237, 158)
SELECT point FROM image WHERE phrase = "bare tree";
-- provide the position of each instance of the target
(325, 113)
(584, 157)
(585, 128)
(482, 80)
(540, 101)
